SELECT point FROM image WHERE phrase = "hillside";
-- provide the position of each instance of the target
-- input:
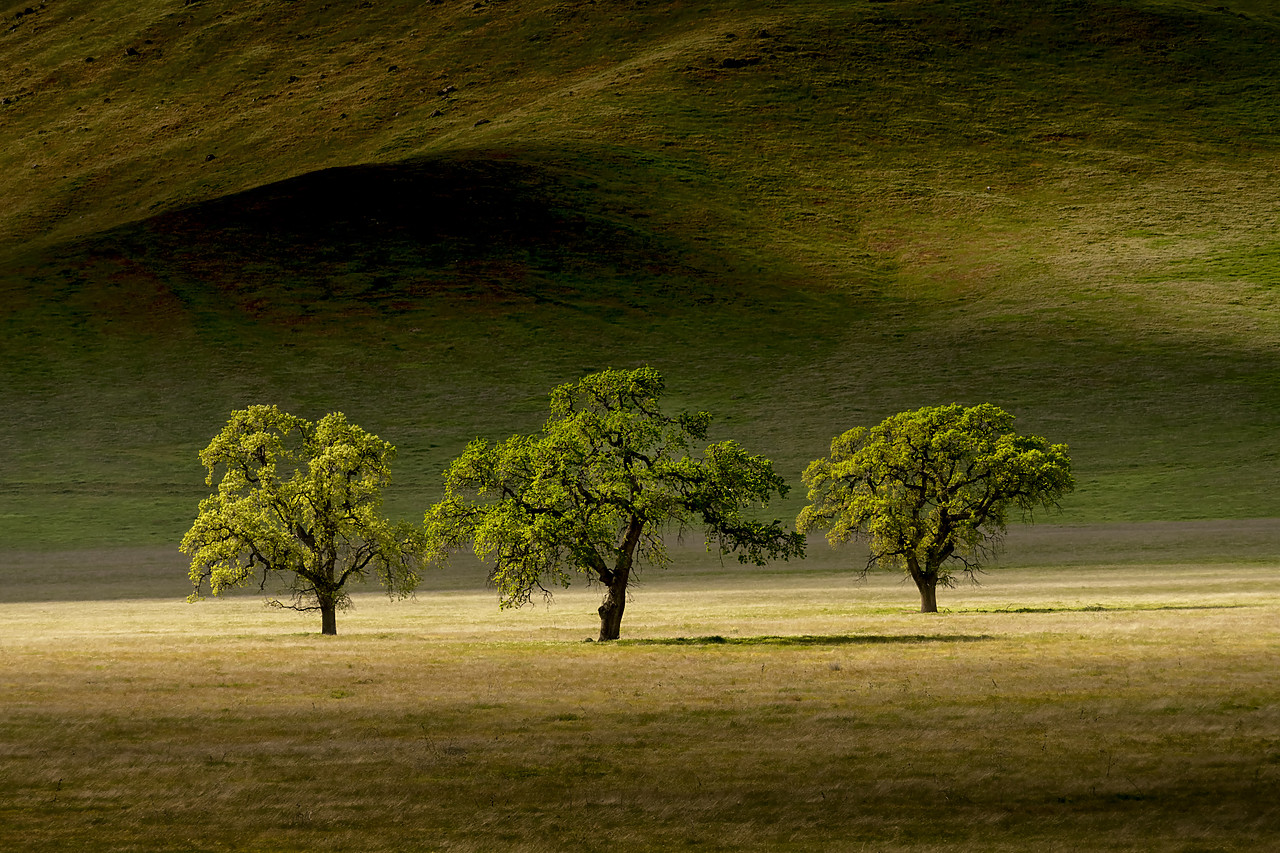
(808, 215)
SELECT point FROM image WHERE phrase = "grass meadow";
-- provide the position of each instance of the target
(1108, 688)
(808, 215)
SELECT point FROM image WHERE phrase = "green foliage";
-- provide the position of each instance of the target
(932, 488)
(596, 489)
(299, 500)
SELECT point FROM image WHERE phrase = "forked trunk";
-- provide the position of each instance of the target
(926, 578)
(928, 586)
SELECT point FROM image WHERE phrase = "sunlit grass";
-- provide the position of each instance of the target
(1123, 706)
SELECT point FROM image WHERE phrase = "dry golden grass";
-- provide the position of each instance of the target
(813, 714)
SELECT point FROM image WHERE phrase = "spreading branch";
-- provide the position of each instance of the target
(297, 503)
(930, 491)
(592, 492)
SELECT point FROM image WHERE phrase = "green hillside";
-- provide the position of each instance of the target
(807, 214)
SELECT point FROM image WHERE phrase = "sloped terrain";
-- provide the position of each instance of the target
(808, 215)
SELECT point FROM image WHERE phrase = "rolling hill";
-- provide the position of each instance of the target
(807, 214)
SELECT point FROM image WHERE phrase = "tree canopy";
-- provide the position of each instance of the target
(930, 490)
(297, 504)
(596, 488)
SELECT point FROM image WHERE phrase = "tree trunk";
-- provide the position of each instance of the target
(328, 593)
(615, 601)
(926, 579)
(615, 597)
(928, 586)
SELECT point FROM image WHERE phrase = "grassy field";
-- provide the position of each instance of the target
(1112, 705)
(808, 215)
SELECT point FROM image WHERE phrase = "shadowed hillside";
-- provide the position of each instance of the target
(389, 238)
(808, 215)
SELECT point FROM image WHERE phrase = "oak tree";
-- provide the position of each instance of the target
(297, 506)
(594, 491)
(930, 491)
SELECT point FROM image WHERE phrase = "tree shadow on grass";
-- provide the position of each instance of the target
(809, 640)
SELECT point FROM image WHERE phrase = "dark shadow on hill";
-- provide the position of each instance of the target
(487, 228)
(810, 640)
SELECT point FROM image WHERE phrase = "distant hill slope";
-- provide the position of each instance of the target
(116, 111)
(809, 214)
